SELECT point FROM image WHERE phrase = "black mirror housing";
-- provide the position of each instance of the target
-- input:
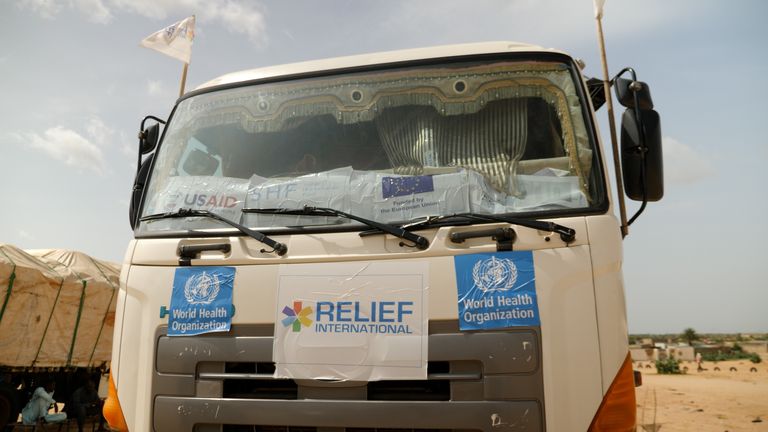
(641, 155)
(148, 138)
(626, 90)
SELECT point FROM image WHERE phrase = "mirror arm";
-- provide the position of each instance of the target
(642, 149)
(150, 117)
(622, 72)
(635, 86)
(645, 190)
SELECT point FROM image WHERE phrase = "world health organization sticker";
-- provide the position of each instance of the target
(201, 300)
(496, 290)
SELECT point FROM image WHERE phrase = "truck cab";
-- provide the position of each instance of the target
(420, 239)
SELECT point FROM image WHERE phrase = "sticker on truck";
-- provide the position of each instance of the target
(496, 290)
(201, 300)
(362, 321)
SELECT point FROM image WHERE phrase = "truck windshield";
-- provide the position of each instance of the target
(503, 137)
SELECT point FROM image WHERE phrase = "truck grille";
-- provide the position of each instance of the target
(224, 382)
(242, 428)
(254, 381)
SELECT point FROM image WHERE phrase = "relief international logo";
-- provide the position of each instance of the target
(297, 317)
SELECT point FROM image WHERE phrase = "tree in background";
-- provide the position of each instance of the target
(690, 335)
(668, 366)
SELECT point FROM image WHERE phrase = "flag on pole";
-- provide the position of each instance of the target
(599, 8)
(174, 40)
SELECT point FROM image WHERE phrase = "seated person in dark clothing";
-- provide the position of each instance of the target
(85, 401)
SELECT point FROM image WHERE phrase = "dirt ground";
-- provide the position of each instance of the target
(709, 401)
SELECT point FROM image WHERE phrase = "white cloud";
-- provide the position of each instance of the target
(129, 147)
(44, 8)
(155, 88)
(72, 148)
(238, 16)
(95, 10)
(683, 164)
(69, 147)
(243, 18)
(99, 132)
(158, 9)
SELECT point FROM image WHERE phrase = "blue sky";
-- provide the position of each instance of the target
(74, 85)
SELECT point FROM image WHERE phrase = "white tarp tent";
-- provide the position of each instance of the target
(57, 308)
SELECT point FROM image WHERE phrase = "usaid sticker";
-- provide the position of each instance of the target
(201, 301)
(496, 290)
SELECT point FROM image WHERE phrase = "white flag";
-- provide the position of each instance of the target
(174, 40)
(599, 8)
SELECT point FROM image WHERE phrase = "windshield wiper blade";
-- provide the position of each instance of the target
(417, 240)
(277, 247)
(566, 234)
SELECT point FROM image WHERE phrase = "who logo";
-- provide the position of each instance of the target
(202, 288)
(494, 274)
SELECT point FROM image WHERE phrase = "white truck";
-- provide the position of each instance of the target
(411, 240)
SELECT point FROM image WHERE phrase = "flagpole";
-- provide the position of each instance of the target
(612, 125)
(183, 79)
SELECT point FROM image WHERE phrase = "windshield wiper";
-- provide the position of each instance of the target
(277, 247)
(566, 234)
(418, 241)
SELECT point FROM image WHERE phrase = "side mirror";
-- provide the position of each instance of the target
(641, 157)
(148, 138)
(632, 93)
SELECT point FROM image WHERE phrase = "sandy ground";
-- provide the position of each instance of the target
(707, 401)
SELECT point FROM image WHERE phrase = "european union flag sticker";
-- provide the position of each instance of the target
(201, 300)
(496, 290)
(401, 186)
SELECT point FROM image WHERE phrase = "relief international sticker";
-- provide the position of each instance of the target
(496, 290)
(352, 321)
(201, 300)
